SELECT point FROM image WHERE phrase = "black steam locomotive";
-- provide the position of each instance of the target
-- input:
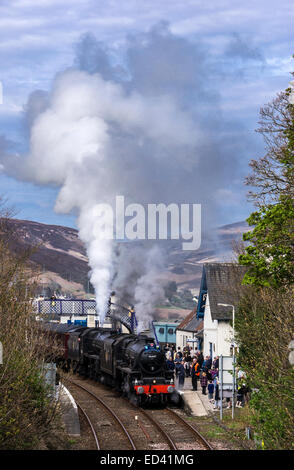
(131, 363)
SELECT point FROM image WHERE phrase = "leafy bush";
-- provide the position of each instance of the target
(26, 411)
(265, 328)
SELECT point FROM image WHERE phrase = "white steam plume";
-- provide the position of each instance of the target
(73, 144)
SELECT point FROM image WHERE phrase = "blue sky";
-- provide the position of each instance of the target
(244, 48)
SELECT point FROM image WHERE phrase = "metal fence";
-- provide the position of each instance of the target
(66, 307)
(79, 308)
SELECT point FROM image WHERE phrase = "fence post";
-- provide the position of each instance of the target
(221, 386)
(234, 385)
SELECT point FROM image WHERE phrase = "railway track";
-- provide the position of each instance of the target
(94, 433)
(191, 428)
(154, 429)
(173, 430)
(94, 397)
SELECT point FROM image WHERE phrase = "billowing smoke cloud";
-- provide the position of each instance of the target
(137, 279)
(74, 144)
(148, 128)
(148, 291)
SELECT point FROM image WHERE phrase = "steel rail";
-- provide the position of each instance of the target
(90, 424)
(113, 414)
(159, 427)
(170, 441)
(190, 427)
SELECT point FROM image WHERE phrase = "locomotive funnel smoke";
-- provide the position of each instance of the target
(148, 291)
(137, 280)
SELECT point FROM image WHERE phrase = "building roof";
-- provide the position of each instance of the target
(191, 322)
(224, 285)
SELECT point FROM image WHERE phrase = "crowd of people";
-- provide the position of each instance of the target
(189, 362)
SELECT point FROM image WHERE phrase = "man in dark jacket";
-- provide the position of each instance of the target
(180, 352)
(188, 360)
(216, 362)
(208, 362)
(177, 362)
(181, 375)
(170, 364)
(200, 359)
(195, 372)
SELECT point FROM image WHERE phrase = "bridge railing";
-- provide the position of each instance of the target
(66, 307)
(81, 307)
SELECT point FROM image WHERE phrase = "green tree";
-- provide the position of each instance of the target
(270, 255)
(264, 318)
(265, 329)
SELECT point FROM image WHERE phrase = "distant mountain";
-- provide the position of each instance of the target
(62, 260)
(185, 267)
(59, 253)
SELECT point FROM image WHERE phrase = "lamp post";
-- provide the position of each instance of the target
(234, 370)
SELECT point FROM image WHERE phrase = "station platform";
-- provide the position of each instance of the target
(69, 411)
(195, 402)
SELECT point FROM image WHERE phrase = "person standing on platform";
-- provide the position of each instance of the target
(188, 361)
(203, 382)
(216, 362)
(181, 375)
(195, 371)
(170, 363)
(177, 361)
(217, 401)
(200, 359)
(210, 389)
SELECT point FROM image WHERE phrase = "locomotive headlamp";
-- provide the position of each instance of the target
(154, 381)
(170, 389)
(140, 390)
